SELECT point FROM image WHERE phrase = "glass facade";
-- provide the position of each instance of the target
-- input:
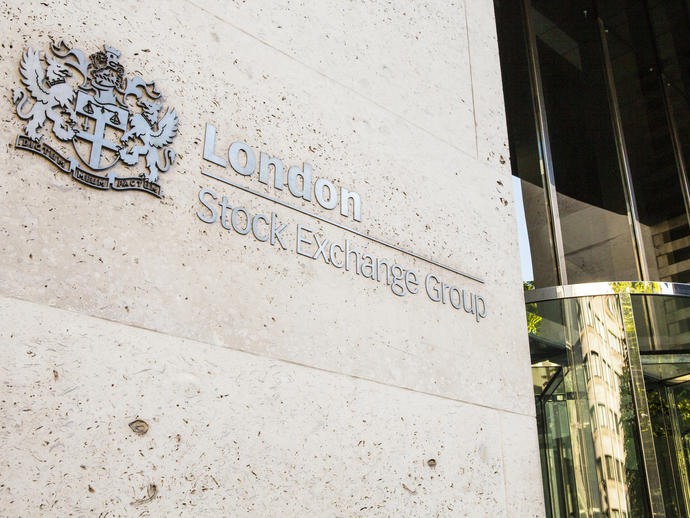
(597, 102)
(599, 129)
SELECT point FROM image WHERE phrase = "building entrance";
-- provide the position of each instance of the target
(611, 376)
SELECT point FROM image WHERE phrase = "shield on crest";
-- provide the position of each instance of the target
(97, 142)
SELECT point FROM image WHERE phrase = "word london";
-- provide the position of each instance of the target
(299, 180)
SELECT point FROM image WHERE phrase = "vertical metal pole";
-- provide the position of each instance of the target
(683, 490)
(626, 176)
(677, 147)
(644, 423)
(545, 159)
(544, 454)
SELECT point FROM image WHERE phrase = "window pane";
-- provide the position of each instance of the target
(653, 166)
(593, 214)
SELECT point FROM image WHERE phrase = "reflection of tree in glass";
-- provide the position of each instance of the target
(659, 407)
(634, 477)
(683, 408)
(533, 320)
(661, 412)
(634, 287)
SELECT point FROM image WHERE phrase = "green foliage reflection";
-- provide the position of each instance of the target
(533, 320)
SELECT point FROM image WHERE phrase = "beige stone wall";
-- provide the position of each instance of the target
(272, 384)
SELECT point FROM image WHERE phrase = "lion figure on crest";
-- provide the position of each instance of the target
(155, 134)
(50, 91)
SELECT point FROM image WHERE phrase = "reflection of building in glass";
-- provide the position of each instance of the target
(603, 364)
(585, 410)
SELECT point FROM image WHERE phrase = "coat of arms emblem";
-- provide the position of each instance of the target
(99, 118)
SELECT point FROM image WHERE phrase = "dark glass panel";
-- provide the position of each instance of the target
(643, 107)
(670, 21)
(523, 142)
(593, 215)
(662, 323)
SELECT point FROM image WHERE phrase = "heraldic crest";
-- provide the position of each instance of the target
(99, 118)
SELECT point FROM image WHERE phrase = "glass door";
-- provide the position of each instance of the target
(588, 432)
(556, 446)
(667, 378)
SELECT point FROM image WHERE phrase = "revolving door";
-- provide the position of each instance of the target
(611, 376)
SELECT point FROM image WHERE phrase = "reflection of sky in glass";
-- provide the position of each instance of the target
(523, 240)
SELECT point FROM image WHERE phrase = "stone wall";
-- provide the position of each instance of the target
(271, 383)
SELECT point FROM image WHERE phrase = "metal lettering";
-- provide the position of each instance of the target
(349, 251)
(278, 171)
(368, 263)
(305, 175)
(331, 254)
(464, 306)
(436, 297)
(210, 147)
(276, 230)
(458, 304)
(346, 195)
(212, 218)
(379, 262)
(444, 291)
(223, 212)
(482, 313)
(398, 287)
(411, 279)
(300, 240)
(321, 250)
(233, 220)
(234, 156)
(255, 219)
(332, 201)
